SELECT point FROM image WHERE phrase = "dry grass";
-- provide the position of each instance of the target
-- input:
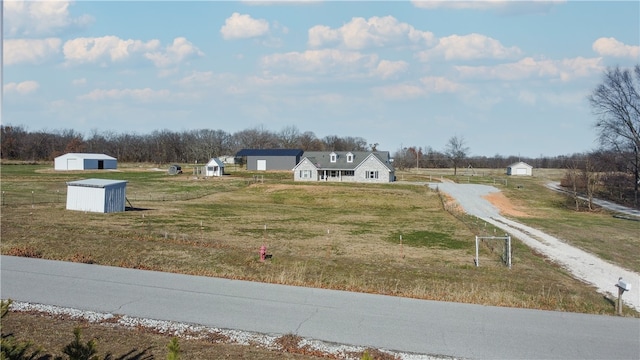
(339, 236)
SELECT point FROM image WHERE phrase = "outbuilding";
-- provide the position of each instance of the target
(215, 167)
(270, 159)
(520, 169)
(97, 195)
(85, 161)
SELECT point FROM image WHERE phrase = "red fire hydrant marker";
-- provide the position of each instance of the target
(263, 252)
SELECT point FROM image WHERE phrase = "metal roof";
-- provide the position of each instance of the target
(88, 156)
(96, 183)
(270, 152)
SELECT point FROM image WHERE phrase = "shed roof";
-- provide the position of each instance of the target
(96, 183)
(270, 152)
(216, 161)
(88, 156)
(520, 164)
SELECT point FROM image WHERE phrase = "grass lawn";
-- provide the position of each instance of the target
(395, 239)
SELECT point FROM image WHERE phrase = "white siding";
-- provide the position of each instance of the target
(373, 165)
(305, 166)
(95, 195)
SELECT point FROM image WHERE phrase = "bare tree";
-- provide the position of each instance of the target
(616, 103)
(456, 151)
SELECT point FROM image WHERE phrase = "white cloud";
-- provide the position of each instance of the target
(113, 49)
(140, 95)
(400, 91)
(387, 69)
(321, 61)
(95, 49)
(375, 32)
(501, 6)
(243, 26)
(612, 47)
(565, 70)
(434, 84)
(34, 51)
(21, 88)
(181, 49)
(468, 47)
(39, 17)
(79, 82)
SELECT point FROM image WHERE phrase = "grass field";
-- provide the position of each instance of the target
(329, 235)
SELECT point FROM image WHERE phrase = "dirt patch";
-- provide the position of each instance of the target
(505, 206)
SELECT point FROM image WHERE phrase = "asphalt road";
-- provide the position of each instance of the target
(400, 324)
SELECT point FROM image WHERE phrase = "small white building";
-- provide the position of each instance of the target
(520, 169)
(215, 167)
(97, 195)
(85, 161)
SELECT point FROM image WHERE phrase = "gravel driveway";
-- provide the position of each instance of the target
(583, 265)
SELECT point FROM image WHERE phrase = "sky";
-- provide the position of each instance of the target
(510, 78)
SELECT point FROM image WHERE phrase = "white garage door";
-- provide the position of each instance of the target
(261, 165)
(521, 171)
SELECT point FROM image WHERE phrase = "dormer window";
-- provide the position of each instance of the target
(334, 157)
(349, 157)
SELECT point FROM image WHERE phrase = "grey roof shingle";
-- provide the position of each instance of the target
(322, 159)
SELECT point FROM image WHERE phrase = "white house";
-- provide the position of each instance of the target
(85, 161)
(345, 166)
(520, 169)
(215, 167)
(97, 195)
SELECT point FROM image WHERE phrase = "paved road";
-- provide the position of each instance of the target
(400, 324)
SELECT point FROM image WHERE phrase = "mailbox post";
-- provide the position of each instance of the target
(622, 287)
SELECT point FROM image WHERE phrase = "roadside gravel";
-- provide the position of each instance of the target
(192, 331)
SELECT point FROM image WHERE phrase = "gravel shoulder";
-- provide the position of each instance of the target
(583, 265)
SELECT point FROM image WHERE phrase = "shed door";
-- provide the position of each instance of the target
(261, 165)
(521, 171)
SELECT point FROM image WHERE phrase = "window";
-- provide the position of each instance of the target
(371, 174)
(305, 174)
(348, 173)
(349, 157)
(334, 157)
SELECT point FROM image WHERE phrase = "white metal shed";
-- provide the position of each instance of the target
(85, 161)
(97, 195)
(215, 167)
(520, 169)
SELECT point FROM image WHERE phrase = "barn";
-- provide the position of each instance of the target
(97, 195)
(520, 169)
(215, 167)
(85, 161)
(270, 159)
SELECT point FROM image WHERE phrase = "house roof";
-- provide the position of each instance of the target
(322, 159)
(270, 152)
(87, 156)
(216, 161)
(519, 164)
(96, 183)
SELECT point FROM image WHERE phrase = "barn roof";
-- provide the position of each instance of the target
(270, 152)
(96, 183)
(88, 156)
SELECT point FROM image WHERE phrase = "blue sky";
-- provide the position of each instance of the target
(511, 78)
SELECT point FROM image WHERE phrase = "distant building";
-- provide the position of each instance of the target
(97, 195)
(520, 169)
(85, 161)
(270, 159)
(345, 166)
(215, 167)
